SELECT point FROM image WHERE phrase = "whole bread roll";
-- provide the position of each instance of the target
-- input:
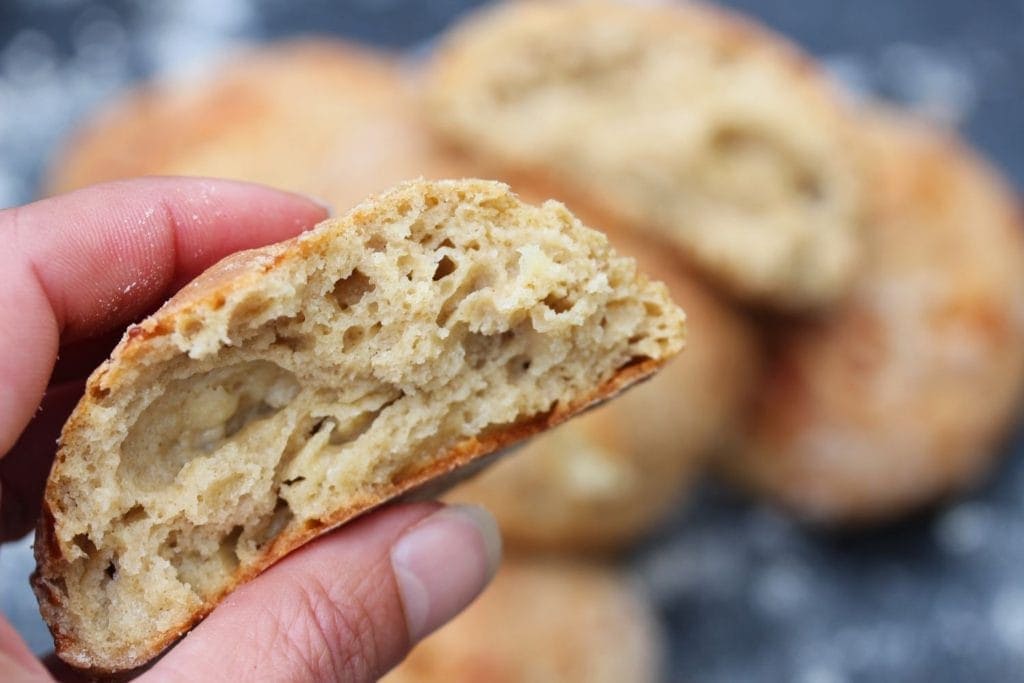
(900, 396)
(293, 387)
(544, 621)
(687, 120)
(319, 117)
(603, 481)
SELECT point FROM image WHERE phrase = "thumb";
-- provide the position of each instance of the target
(348, 606)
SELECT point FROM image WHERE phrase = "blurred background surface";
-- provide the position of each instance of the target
(746, 594)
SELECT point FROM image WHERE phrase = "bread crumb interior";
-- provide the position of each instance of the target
(443, 317)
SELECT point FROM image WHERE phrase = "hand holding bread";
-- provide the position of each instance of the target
(289, 389)
(854, 284)
(90, 262)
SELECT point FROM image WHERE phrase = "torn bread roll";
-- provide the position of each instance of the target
(901, 395)
(293, 387)
(687, 120)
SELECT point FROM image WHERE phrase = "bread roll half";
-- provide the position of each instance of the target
(293, 387)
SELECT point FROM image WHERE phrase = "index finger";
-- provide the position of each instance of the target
(77, 265)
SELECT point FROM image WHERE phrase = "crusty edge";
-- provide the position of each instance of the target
(439, 475)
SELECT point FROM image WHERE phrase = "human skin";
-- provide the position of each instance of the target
(74, 271)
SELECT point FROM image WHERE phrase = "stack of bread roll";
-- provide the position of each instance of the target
(853, 277)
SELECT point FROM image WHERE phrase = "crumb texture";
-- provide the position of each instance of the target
(605, 480)
(293, 387)
(686, 120)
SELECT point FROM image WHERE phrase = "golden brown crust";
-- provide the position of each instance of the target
(155, 340)
(900, 396)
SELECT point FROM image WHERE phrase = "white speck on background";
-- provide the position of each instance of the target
(960, 629)
(937, 84)
(28, 57)
(820, 673)
(12, 188)
(17, 602)
(43, 96)
(101, 42)
(182, 38)
(964, 529)
(703, 562)
(781, 589)
(1007, 614)
(769, 531)
(852, 71)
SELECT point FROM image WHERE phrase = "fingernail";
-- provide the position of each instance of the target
(444, 562)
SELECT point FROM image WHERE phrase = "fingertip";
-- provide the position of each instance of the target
(487, 525)
(443, 563)
(323, 204)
